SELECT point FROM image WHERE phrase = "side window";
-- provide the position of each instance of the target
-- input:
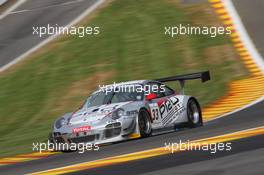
(154, 87)
(168, 91)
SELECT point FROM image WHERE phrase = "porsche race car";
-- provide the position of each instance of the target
(130, 109)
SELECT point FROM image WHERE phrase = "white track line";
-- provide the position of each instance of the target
(2, 2)
(13, 7)
(46, 7)
(49, 39)
(243, 34)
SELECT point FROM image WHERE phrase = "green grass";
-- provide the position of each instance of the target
(132, 44)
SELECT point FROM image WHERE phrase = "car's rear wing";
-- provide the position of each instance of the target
(204, 76)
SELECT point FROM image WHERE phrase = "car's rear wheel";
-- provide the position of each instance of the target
(194, 113)
(144, 123)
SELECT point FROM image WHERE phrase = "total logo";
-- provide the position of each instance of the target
(81, 129)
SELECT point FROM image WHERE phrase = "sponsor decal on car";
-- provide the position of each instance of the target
(166, 111)
(81, 129)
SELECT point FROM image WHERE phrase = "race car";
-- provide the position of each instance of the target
(130, 109)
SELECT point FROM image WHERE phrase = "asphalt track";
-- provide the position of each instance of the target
(251, 14)
(245, 119)
(16, 29)
(246, 156)
(195, 162)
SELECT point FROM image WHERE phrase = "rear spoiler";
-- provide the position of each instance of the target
(204, 76)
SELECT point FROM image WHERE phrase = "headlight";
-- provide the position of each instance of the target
(59, 123)
(118, 113)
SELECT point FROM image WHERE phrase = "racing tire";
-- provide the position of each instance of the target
(144, 123)
(194, 113)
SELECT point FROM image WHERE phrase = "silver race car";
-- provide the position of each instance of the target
(128, 110)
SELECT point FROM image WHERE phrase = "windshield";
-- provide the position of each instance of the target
(97, 99)
(126, 96)
(115, 96)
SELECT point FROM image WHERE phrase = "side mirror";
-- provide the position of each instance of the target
(151, 96)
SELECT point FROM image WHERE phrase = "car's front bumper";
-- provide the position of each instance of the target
(108, 133)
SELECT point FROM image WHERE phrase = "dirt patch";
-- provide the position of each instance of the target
(188, 57)
(79, 90)
(202, 14)
(223, 53)
(174, 2)
(218, 54)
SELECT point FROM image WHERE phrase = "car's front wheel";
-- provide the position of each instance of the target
(144, 123)
(194, 113)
